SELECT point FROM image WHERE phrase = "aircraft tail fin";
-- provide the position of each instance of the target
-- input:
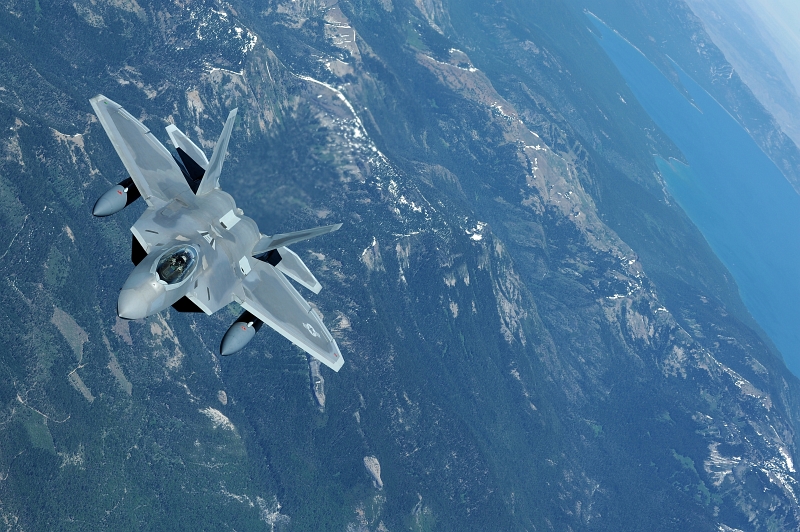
(211, 177)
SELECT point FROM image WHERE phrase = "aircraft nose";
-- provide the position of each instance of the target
(131, 305)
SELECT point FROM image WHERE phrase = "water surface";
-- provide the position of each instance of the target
(732, 191)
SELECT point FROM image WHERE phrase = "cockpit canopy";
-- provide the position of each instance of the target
(177, 264)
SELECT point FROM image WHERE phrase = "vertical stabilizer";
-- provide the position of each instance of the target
(211, 177)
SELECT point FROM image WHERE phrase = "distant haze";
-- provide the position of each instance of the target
(781, 19)
(731, 190)
(761, 39)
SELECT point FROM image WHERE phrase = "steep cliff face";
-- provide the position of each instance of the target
(535, 336)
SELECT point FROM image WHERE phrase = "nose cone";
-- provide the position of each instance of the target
(145, 292)
(142, 295)
(133, 304)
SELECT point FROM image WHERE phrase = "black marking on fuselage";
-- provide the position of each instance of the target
(270, 257)
(192, 172)
(185, 304)
(137, 251)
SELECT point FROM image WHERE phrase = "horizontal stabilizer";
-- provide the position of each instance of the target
(211, 177)
(268, 243)
(179, 140)
(293, 267)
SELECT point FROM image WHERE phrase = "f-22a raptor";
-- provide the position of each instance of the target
(194, 250)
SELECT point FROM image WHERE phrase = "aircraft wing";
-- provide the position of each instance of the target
(148, 162)
(268, 243)
(271, 298)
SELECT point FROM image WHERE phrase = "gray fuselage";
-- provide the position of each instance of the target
(197, 246)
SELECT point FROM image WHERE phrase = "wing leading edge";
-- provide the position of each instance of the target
(268, 243)
(149, 163)
(271, 298)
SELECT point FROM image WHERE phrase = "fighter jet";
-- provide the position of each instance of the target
(194, 250)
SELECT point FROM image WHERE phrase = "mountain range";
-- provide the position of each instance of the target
(536, 336)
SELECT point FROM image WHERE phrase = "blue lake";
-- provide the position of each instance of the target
(731, 190)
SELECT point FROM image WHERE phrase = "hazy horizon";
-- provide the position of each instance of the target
(781, 19)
